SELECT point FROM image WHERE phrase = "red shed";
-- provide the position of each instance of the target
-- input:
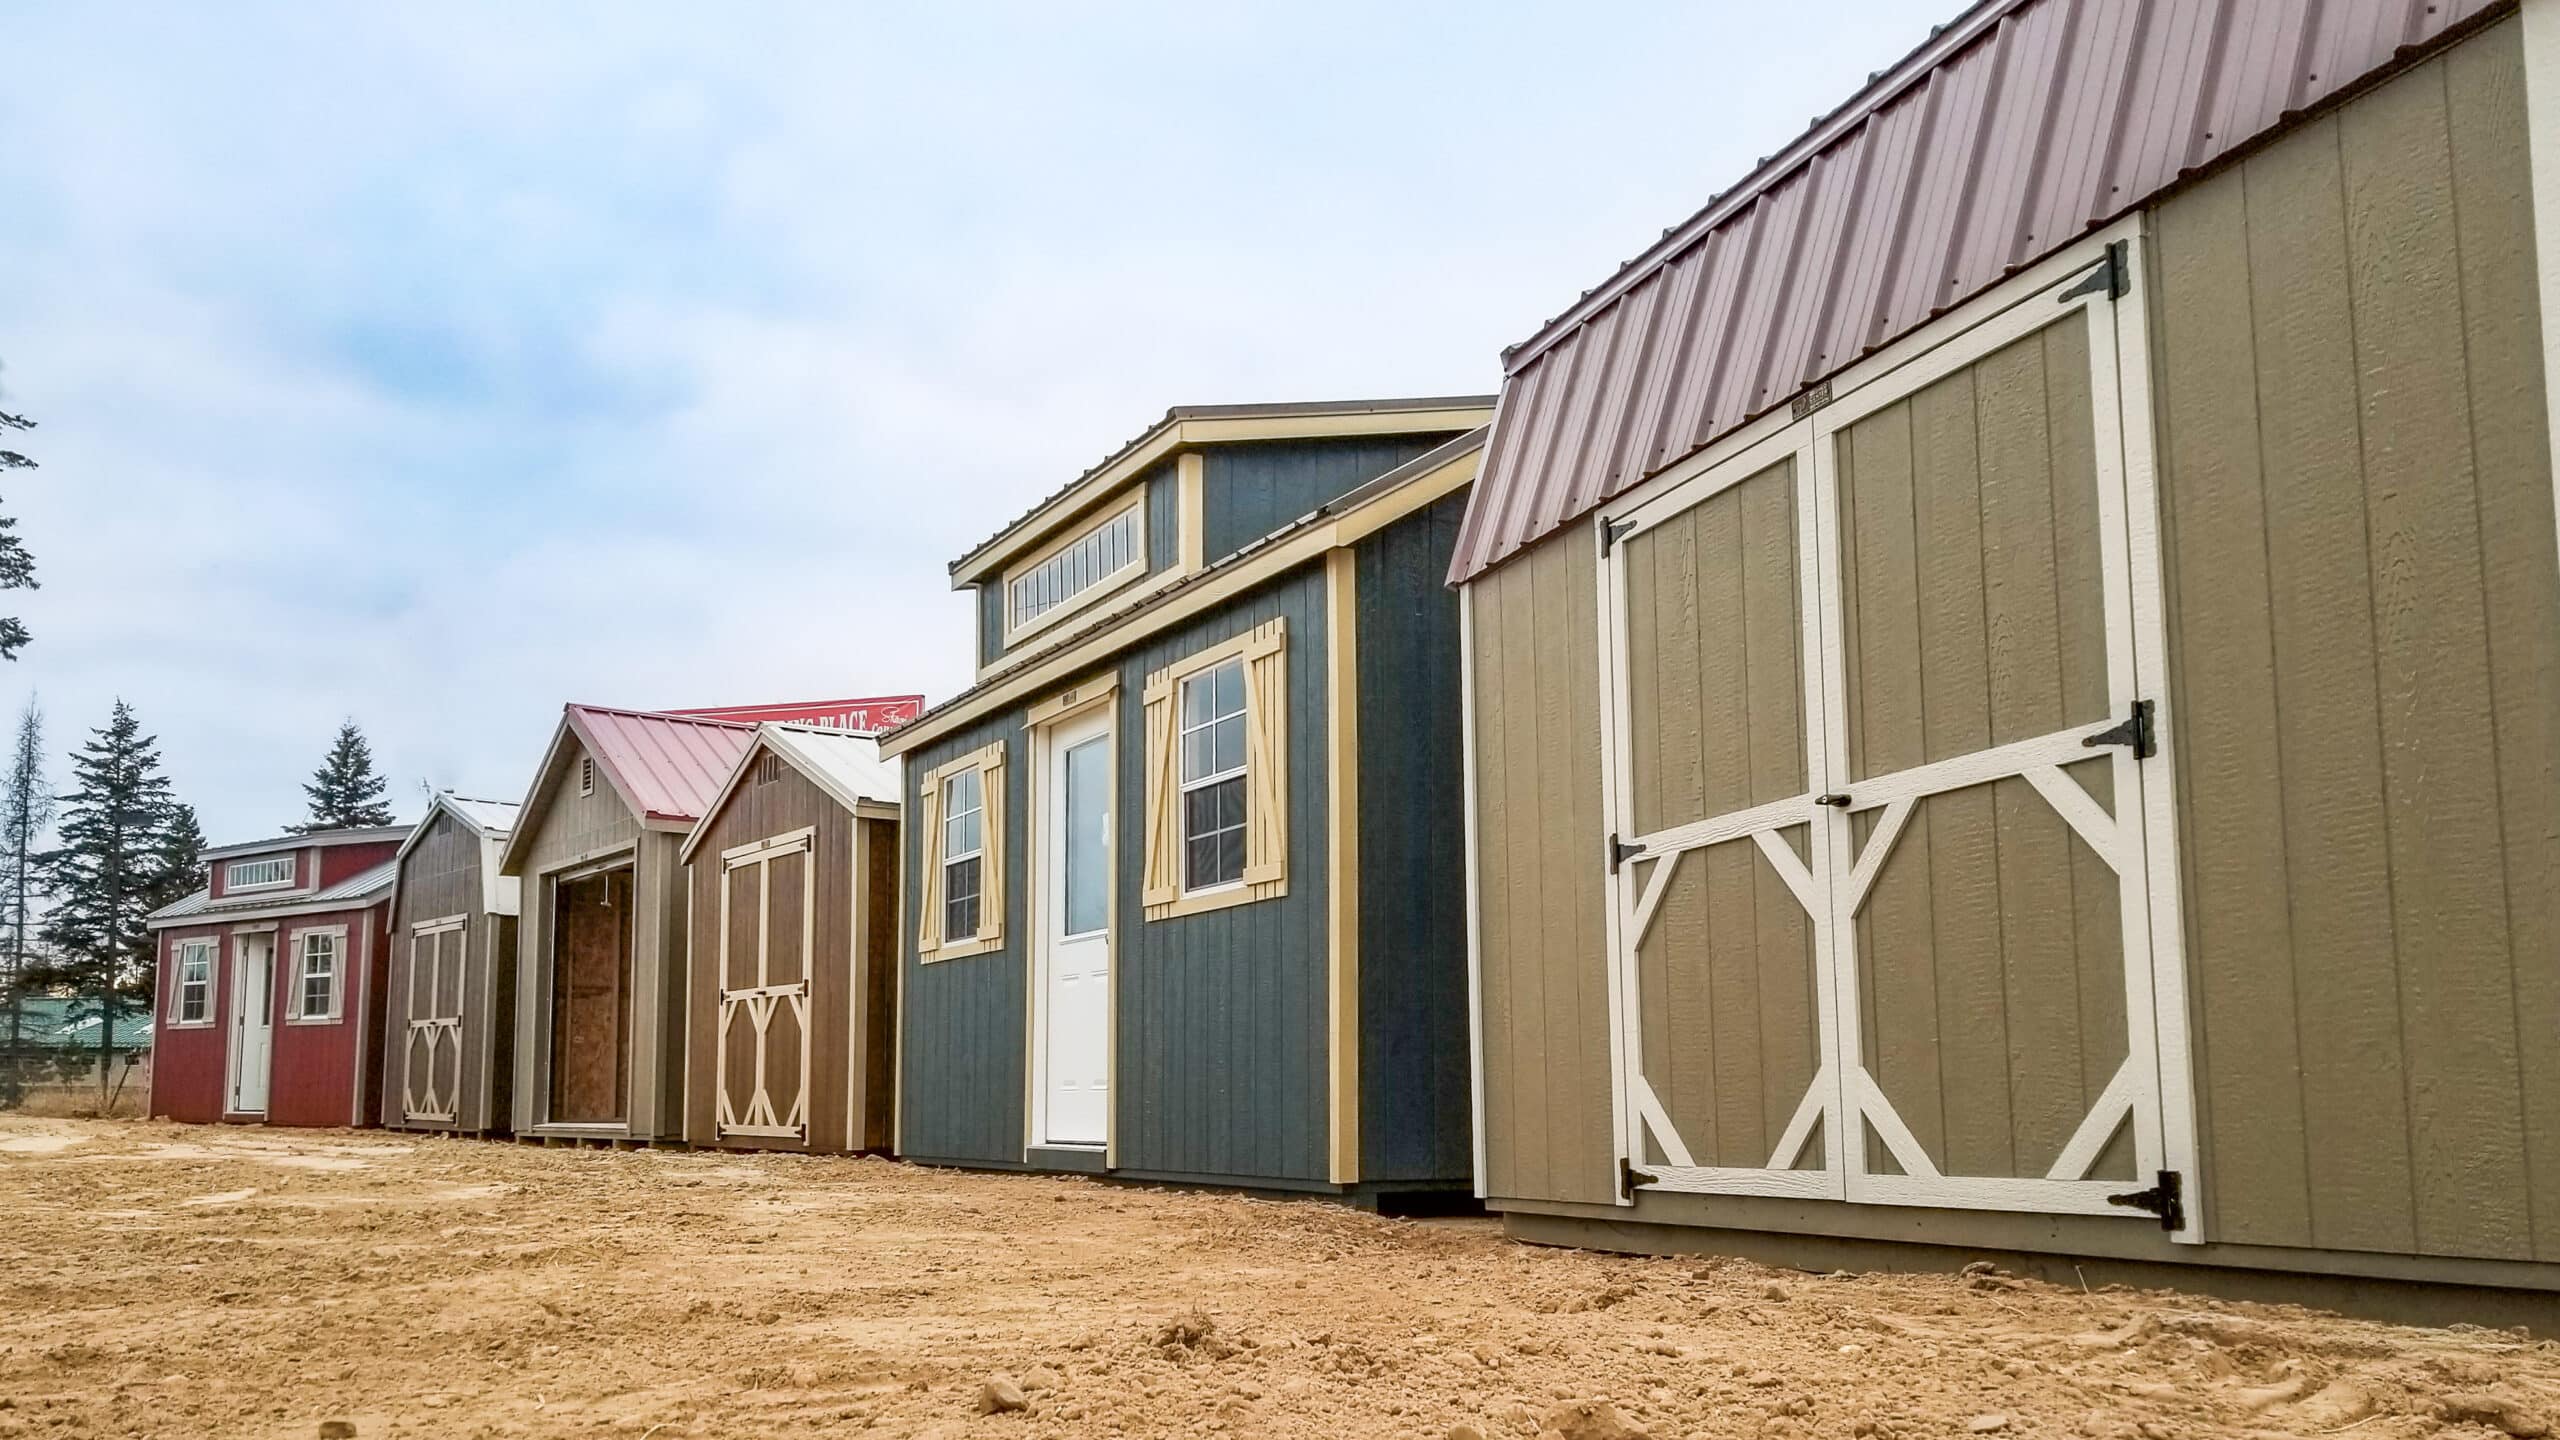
(269, 997)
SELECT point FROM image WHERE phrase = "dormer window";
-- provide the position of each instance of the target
(272, 872)
(1090, 563)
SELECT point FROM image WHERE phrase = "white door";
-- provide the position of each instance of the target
(1075, 935)
(253, 1022)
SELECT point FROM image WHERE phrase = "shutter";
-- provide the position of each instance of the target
(991, 869)
(1164, 786)
(1266, 748)
(929, 889)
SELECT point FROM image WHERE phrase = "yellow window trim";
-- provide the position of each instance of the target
(931, 945)
(1264, 649)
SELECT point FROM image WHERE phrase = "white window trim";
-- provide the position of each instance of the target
(1163, 875)
(1083, 599)
(994, 816)
(296, 944)
(944, 860)
(209, 950)
(1241, 772)
(231, 869)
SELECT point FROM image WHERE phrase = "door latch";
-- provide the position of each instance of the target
(2165, 1199)
(2134, 730)
(1838, 800)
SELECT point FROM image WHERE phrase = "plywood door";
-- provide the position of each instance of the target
(431, 1051)
(1999, 1042)
(1727, 1029)
(1882, 862)
(767, 933)
(591, 999)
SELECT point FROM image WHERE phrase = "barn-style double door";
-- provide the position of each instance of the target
(768, 930)
(1884, 774)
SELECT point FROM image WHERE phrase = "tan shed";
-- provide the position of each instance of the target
(792, 1021)
(449, 1024)
(2014, 676)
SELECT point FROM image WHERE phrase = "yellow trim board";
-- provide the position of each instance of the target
(1173, 435)
(1342, 823)
(1255, 569)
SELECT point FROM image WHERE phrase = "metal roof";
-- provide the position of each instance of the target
(845, 764)
(361, 889)
(667, 767)
(2016, 129)
(362, 835)
(1179, 413)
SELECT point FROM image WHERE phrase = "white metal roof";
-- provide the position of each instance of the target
(356, 891)
(848, 766)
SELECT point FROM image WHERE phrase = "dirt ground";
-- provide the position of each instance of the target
(165, 1280)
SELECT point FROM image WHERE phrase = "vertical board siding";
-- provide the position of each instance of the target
(1254, 489)
(989, 598)
(1164, 517)
(571, 825)
(1541, 936)
(876, 1112)
(2367, 672)
(1989, 952)
(1414, 1104)
(440, 877)
(824, 878)
(1222, 1060)
(962, 1061)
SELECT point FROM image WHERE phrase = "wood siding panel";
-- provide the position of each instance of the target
(1254, 489)
(961, 1061)
(1541, 937)
(1414, 1102)
(440, 877)
(2364, 649)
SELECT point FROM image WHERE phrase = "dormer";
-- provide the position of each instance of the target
(280, 872)
(292, 866)
(1201, 484)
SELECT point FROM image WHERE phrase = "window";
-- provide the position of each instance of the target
(195, 982)
(1109, 552)
(1213, 777)
(962, 856)
(267, 874)
(963, 853)
(1217, 810)
(315, 992)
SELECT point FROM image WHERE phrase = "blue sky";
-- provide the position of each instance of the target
(433, 365)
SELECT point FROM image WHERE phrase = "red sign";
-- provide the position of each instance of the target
(867, 716)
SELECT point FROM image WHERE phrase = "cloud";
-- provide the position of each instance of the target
(436, 365)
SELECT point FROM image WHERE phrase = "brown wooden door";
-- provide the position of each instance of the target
(768, 928)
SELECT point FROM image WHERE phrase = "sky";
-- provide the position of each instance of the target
(434, 365)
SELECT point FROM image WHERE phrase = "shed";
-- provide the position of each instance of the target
(2014, 675)
(450, 1020)
(600, 972)
(792, 1022)
(268, 1000)
(1183, 898)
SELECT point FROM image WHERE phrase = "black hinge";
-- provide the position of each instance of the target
(2113, 278)
(1611, 532)
(2135, 730)
(1620, 852)
(1629, 1177)
(2164, 1199)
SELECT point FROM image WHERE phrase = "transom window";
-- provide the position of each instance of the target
(963, 853)
(273, 871)
(1108, 552)
(1213, 777)
(316, 987)
(195, 981)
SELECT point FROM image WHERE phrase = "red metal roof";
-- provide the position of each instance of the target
(2018, 128)
(668, 766)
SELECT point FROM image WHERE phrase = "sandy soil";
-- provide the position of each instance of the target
(161, 1280)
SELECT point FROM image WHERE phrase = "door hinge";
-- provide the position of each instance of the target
(2134, 730)
(1611, 532)
(2166, 1199)
(2113, 277)
(1620, 852)
(1629, 1177)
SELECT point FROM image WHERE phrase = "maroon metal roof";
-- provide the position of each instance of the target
(668, 766)
(2015, 130)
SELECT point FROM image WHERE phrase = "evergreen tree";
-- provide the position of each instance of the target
(26, 813)
(345, 792)
(121, 832)
(17, 567)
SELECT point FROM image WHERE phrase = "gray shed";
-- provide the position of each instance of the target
(449, 1011)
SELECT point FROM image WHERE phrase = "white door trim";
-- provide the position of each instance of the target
(240, 1002)
(1045, 877)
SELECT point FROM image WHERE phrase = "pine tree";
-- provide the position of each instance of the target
(121, 833)
(17, 567)
(26, 813)
(345, 792)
